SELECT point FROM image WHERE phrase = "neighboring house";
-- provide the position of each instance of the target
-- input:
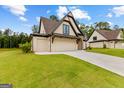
(112, 39)
(63, 35)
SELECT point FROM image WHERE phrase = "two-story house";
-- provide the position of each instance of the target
(62, 35)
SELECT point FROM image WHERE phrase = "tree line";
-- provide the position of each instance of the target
(10, 39)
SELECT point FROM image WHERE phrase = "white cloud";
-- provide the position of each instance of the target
(61, 11)
(22, 18)
(18, 10)
(110, 23)
(38, 19)
(28, 25)
(48, 11)
(73, 7)
(89, 24)
(78, 13)
(81, 14)
(2, 29)
(118, 11)
(109, 15)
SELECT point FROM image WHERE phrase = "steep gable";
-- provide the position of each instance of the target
(47, 25)
(42, 29)
(60, 28)
(73, 22)
(120, 35)
(105, 35)
(51, 26)
(70, 19)
(98, 35)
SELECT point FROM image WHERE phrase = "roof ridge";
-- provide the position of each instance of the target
(108, 34)
(48, 19)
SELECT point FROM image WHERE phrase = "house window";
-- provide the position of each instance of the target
(94, 38)
(65, 29)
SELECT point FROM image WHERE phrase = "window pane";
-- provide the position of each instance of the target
(94, 38)
(65, 29)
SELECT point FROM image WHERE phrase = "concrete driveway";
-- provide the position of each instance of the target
(111, 63)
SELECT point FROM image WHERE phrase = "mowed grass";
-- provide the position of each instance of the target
(43, 71)
(113, 52)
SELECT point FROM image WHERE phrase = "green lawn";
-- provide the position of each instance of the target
(113, 52)
(30, 70)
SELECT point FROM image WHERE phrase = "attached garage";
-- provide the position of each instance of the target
(63, 44)
(40, 44)
(43, 44)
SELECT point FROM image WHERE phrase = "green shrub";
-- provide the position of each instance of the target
(26, 48)
(89, 48)
(104, 46)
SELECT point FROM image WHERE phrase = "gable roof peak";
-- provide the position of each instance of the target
(48, 24)
(51, 25)
(69, 13)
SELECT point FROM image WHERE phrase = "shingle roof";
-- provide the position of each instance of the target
(48, 24)
(109, 35)
(51, 25)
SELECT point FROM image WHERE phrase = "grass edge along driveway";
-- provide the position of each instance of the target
(112, 52)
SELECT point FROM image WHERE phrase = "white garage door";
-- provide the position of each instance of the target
(64, 44)
(42, 45)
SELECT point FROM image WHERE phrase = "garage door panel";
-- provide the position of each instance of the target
(60, 44)
(42, 45)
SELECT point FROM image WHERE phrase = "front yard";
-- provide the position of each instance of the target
(113, 52)
(30, 70)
